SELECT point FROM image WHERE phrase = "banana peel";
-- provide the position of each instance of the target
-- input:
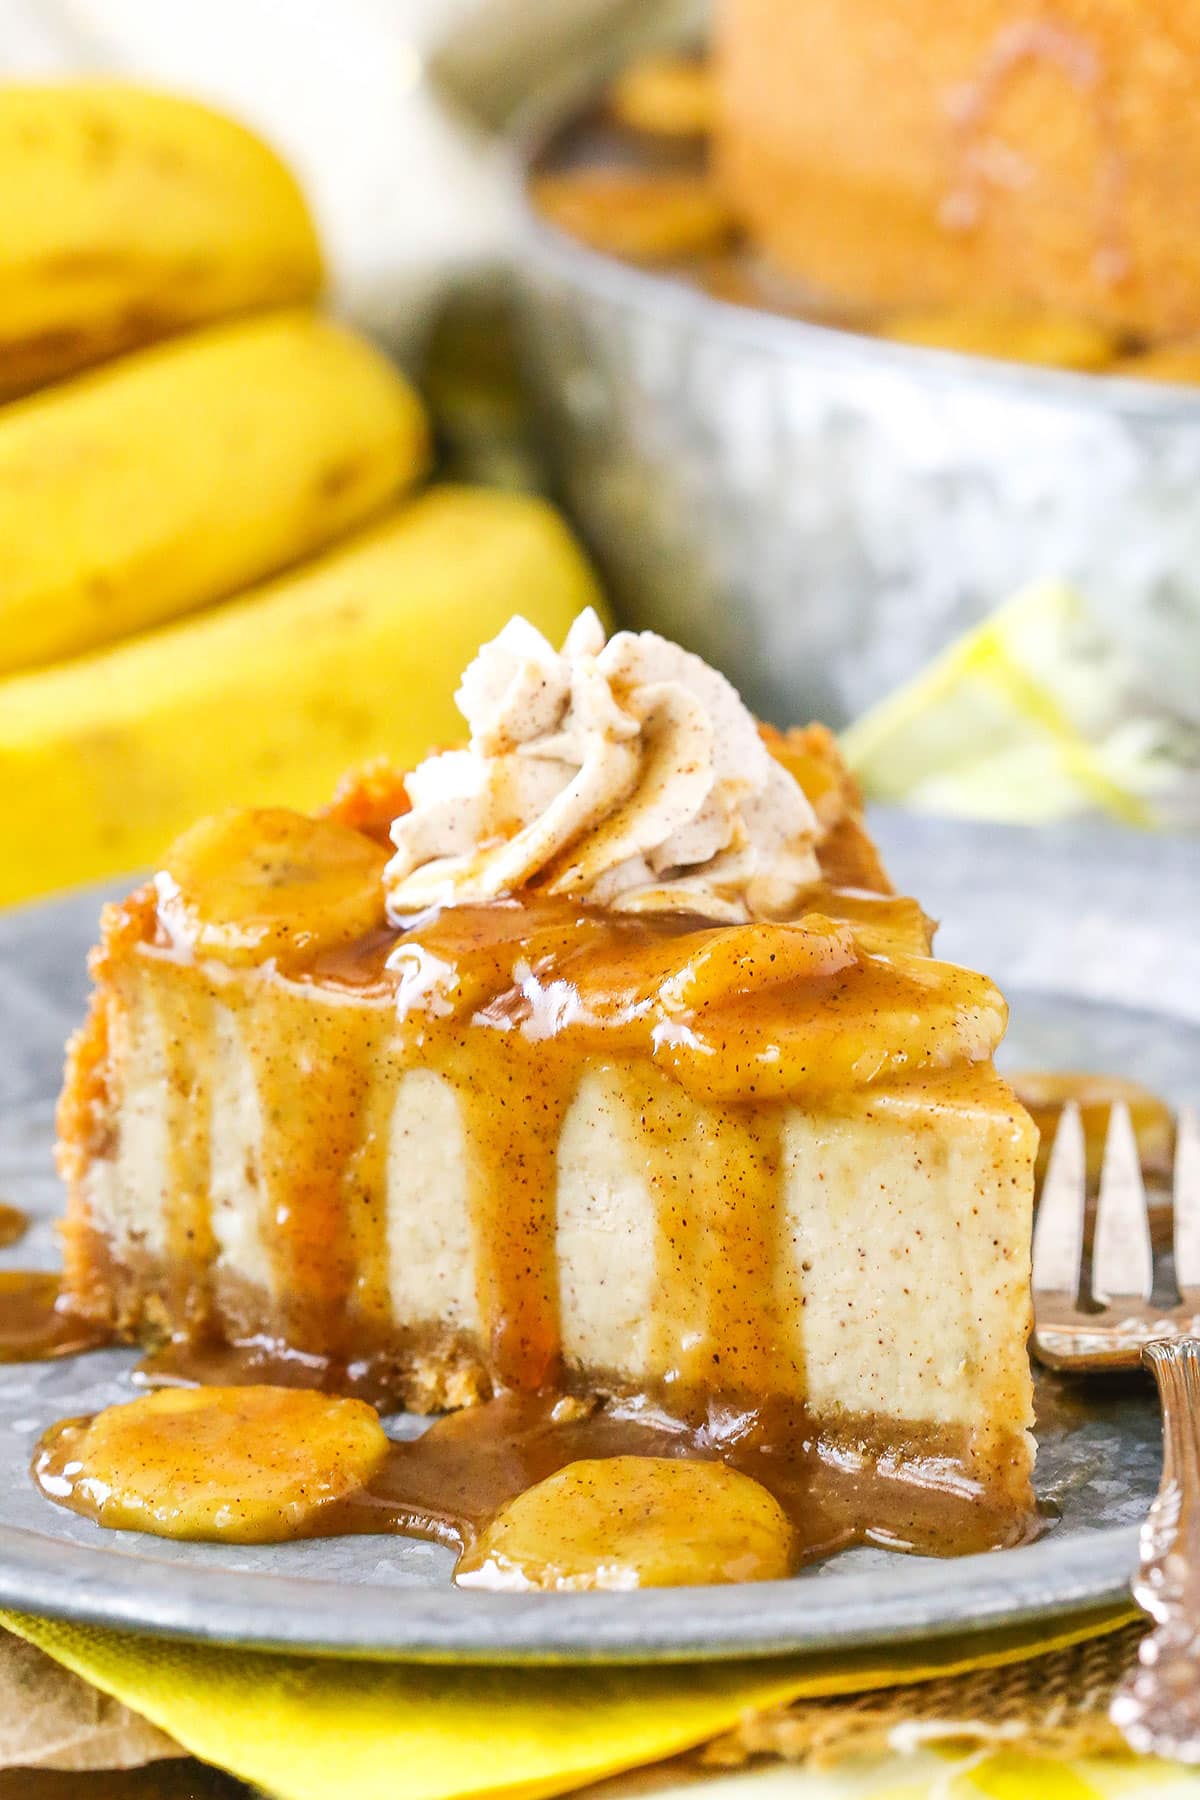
(182, 474)
(127, 216)
(268, 699)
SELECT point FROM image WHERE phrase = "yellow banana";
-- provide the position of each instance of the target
(183, 473)
(126, 216)
(268, 699)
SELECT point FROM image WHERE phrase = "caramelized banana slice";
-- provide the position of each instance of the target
(247, 1465)
(633, 1521)
(246, 886)
(1042, 339)
(665, 96)
(641, 217)
(888, 1016)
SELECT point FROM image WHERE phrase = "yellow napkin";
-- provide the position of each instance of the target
(306, 1728)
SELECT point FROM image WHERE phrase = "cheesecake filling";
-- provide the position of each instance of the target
(625, 774)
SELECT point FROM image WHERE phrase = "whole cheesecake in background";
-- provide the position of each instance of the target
(619, 1070)
(899, 154)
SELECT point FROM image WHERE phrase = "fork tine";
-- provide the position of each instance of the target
(1122, 1260)
(1187, 1204)
(1058, 1233)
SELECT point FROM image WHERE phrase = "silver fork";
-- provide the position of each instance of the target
(1158, 1705)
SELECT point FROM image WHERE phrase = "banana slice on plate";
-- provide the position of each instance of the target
(246, 886)
(633, 1521)
(244, 1465)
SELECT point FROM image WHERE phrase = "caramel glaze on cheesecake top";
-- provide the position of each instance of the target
(708, 1033)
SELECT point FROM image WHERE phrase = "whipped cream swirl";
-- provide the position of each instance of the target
(626, 774)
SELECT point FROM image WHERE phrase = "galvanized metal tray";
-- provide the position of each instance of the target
(1093, 935)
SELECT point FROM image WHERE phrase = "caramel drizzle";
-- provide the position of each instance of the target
(369, 1304)
(13, 1224)
(716, 1183)
(513, 1114)
(314, 1083)
(185, 1016)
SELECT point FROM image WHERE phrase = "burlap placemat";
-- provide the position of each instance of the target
(50, 1719)
(1052, 1705)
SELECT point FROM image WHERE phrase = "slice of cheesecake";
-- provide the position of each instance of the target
(626, 1073)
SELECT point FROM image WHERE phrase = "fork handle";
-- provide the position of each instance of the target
(1157, 1707)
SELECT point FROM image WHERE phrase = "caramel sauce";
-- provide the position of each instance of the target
(13, 1225)
(452, 1484)
(204, 1361)
(35, 1326)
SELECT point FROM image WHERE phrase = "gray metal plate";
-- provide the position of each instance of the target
(1093, 935)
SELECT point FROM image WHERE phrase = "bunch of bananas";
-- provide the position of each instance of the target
(197, 432)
